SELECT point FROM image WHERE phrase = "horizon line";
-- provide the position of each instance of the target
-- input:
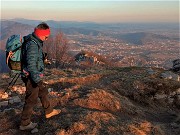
(14, 19)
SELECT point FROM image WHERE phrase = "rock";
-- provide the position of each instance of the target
(50, 89)
(151, 72)
(160, 96)
(5, 76)
(166, 76)
(170, 75)
(16, 99)
(4, 103)
(35, 130)
(45, 82)
(9, 110)
(11, 101)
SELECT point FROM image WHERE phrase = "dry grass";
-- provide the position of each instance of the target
(143, 128)
(100, 100)
(109, 101)
(77, 80)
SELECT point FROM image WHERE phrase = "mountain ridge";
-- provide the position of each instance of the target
(130, 100)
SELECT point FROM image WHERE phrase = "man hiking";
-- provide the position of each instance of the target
(33, 68)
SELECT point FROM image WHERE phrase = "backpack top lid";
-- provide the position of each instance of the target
(13, 43)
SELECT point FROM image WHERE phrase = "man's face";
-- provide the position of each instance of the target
(44, 38)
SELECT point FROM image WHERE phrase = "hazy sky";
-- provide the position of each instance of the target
(94, 11)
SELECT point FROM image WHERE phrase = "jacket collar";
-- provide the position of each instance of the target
(37, 38)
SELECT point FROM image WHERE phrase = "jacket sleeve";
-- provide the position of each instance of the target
(32, 59)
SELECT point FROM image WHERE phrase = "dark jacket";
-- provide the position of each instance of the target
(32, 57)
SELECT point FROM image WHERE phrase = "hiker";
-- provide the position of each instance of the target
(33, 67)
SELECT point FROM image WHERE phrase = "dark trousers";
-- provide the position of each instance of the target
(33, 91)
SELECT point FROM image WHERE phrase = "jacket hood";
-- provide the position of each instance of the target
(33, 37)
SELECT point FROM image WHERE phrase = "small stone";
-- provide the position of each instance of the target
(4, 76)
(45, 82)
(170, 75)
(11, 101)
(16, 99)
(160, 96)
(4, 103)
(9, 110)
(35, 130)
(50, 89)
(150, 71)
(166, 76)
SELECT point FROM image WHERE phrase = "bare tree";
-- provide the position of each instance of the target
(57, 48)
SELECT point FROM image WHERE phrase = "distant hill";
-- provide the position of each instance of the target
(125, 33)
(90, 28)
(73, 31)
(59, 24)
(68, 27)
(25, 27)
(133, 38)
(101, 26)
(9, 28)
(137, 38)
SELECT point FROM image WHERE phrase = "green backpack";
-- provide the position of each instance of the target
(13, 52)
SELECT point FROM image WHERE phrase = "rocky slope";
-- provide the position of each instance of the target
(100, 101)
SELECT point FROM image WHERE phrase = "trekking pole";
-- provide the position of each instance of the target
(13, 80)
(16, 79)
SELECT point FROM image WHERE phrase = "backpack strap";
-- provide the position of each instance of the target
(32, 41)
(26, 42)
(10, 54)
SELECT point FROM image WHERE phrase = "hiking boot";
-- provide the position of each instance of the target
(53, 113)
(29, 126)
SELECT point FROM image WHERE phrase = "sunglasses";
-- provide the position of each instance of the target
(46, 37)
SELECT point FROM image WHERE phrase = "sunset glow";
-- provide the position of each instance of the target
(95, 11)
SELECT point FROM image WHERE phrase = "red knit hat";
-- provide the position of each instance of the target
(41, 32)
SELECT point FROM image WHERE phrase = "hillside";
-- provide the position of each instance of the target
(154, 45)
(101, 101)
(139, 38)
(9, 28)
